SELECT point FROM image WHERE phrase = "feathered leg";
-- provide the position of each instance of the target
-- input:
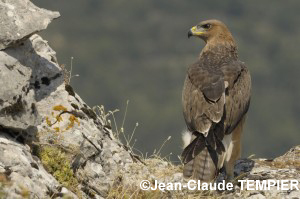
(235, 154)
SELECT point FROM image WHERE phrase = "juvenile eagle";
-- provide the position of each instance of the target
(215, 99)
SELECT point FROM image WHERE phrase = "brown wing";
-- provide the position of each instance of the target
(208, 111)
(237, 94)
(203, 100)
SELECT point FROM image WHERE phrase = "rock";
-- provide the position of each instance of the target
(256, 195)
(43, 122)
(285, 167)
(32, 73)
(58, 118)
(67, 193)
(20, 19)
(24, 172)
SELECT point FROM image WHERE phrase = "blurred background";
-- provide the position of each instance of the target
(139, 51)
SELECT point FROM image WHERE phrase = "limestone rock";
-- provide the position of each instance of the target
(58, 117)
(19, 19)
(285, 167)
(24, 173)
(51, 143)
(26, 75)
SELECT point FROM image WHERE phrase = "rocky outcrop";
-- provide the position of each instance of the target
(51, 143)
(20, 19)
(22, 174)
(285, 167)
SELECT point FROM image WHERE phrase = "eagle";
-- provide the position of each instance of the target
(215, 98)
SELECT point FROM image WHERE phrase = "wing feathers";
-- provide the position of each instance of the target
(212, 111)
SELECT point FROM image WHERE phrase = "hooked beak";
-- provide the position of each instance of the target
(195, 32)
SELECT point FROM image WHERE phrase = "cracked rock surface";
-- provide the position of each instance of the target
(52, 144)
(22, 174)
(19, 19)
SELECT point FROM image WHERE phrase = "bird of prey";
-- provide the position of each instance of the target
(215, 98)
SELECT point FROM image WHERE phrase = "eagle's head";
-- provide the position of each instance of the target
(211, 30)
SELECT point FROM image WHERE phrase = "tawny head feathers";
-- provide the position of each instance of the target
(211, 31)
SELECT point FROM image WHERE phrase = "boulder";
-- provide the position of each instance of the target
(20, 19)
(52, 144)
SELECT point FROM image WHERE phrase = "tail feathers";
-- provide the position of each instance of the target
(201, 167)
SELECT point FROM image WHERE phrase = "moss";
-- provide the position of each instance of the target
(3, 193)
(25, 193)
(4, 182)
(58, 164)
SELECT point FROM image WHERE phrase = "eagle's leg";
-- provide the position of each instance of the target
(235, 152)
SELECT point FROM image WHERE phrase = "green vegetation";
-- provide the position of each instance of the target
(2, 192)
(3, 182)
(57, 163)
(138, 50)
(55, 158)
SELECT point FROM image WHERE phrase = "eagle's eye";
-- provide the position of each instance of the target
(206, 26)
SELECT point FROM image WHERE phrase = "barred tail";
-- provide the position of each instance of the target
(201, 167)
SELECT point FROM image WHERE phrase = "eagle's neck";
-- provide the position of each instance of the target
(219, 52)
